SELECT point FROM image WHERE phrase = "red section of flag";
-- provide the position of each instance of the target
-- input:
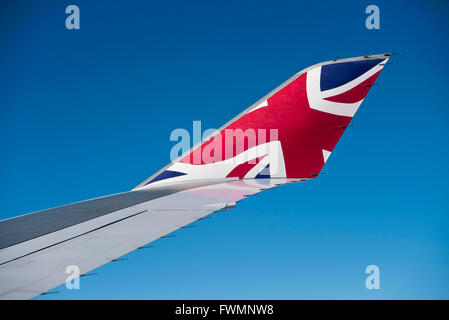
(302, 131)
(242, 169)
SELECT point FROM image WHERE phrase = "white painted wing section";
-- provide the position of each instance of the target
(36, 266)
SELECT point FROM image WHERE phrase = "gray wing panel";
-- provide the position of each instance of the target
(33, 225)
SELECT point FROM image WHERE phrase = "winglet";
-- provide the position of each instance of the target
(289, 133)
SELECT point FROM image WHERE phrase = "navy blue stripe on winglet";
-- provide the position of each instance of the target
(265, 173)
(167, 174)
(337, 74)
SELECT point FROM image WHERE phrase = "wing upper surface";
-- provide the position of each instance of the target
(30, 268)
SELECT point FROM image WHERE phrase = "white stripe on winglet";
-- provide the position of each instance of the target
(261, 105)
(317, 97)
(326, 155)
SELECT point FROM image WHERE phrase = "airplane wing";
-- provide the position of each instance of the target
(287, 136)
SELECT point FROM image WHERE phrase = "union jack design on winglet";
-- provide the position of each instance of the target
(301, 122)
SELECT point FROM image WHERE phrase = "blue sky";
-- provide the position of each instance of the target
(88, 112)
